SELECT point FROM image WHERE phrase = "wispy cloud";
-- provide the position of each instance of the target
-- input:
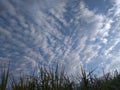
(34, 33)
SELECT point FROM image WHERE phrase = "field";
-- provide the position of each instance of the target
(56, 79)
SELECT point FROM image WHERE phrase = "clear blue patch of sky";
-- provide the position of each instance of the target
(101, 6)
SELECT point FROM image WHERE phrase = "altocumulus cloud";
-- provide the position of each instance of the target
(36, 33)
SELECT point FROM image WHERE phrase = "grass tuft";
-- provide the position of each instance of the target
(57, 79)
(4, 79)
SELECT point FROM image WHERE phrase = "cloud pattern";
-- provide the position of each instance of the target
(37, 33)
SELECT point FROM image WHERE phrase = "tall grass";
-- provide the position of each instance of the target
(4, 78)
(57, 79)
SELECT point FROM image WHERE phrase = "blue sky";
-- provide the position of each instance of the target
(72, 33)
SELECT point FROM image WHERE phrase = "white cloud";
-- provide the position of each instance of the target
(115, 8)
(117, 2)
(73, 43)
(111, 52)
(114, 64)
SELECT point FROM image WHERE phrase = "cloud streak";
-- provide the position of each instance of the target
(34, 33)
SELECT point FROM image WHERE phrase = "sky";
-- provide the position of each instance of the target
(72, 33)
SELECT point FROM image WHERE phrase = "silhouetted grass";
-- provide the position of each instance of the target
(4, 78)
(57, 79)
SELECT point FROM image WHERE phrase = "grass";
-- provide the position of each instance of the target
(56, 79)
(4, 79)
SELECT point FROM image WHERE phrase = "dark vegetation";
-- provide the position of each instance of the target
(56, 79)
